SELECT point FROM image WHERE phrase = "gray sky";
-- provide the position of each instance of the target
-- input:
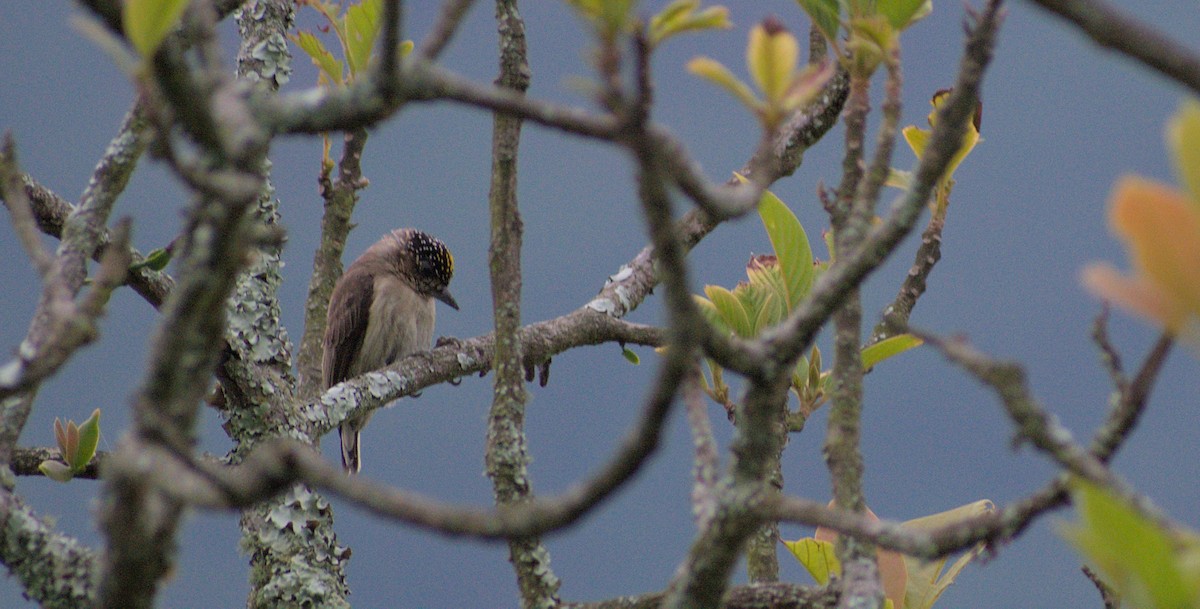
(1062, 120)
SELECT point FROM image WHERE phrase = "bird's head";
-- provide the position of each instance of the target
(427, 264)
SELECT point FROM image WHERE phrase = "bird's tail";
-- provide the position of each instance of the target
(351, 456)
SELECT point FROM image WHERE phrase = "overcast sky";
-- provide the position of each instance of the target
(1062, 120)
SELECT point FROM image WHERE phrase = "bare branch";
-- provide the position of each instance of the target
(449, 19)
(1130, 403)
(20, 209)
(1109, 28)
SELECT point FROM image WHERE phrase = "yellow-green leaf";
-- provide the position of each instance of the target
(675, 11)
(917, 139)
(321, 57)
(681, 16)
(902, 13)
(147, 22)
(772, 55)
(790, 244)
(1133, 554)
(817, 557)
(709, 310)
(825, 14)
(363, 21)
(89, 438)
(716, 73)
(730, 309)
(926, 581)
(630, 355)
(1183, 138)
(888, 347)
(156, 260)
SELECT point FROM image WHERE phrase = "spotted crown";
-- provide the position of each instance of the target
(433, 265)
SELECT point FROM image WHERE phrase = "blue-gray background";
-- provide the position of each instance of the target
(1062, 120)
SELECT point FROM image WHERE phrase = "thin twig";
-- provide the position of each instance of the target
(448, 21)
(20, 208)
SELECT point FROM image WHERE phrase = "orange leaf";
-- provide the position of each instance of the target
(1162, 229)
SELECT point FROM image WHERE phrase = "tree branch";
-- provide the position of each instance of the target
(1111, 29)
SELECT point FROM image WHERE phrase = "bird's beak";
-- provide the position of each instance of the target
(444, 296)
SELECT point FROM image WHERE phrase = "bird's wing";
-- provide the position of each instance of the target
(349, 310)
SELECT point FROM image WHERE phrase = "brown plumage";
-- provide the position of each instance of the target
(382, 310)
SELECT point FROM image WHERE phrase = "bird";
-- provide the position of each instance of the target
(381, 310)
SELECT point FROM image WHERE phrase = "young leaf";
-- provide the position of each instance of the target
(147, 22)
(888, 347)
(363, 21)
(771, 56)
(72, 443)
(790, 244)
(730, 308)
(926, 581)
(817, 557)
(60, 437)
(1133, 554)
(55, 471)
(709, 310)
(681, 16)
(156, 260)
(89, 438)
(825, 15)
(902, 13)
(321, 57)
(630, 355)
(718, 74)
(893, 573)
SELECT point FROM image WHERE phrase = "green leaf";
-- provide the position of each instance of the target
(56, 471)
(1133, 554)
(791, 247)
(681, 16)
(889, 347)
(817, 557)
(926, 581)
(770, 312)
(709, 310)
(902, 13)
(825, 15)
(156, 260)
(89, 438)
(363, 21)
(673, 12)
(773, 307)
(630, 355)
(731, 310)
(147, 22)
(321, 57)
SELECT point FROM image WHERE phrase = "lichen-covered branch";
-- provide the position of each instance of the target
(506, 456)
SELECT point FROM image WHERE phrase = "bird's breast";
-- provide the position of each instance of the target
(400, 323)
